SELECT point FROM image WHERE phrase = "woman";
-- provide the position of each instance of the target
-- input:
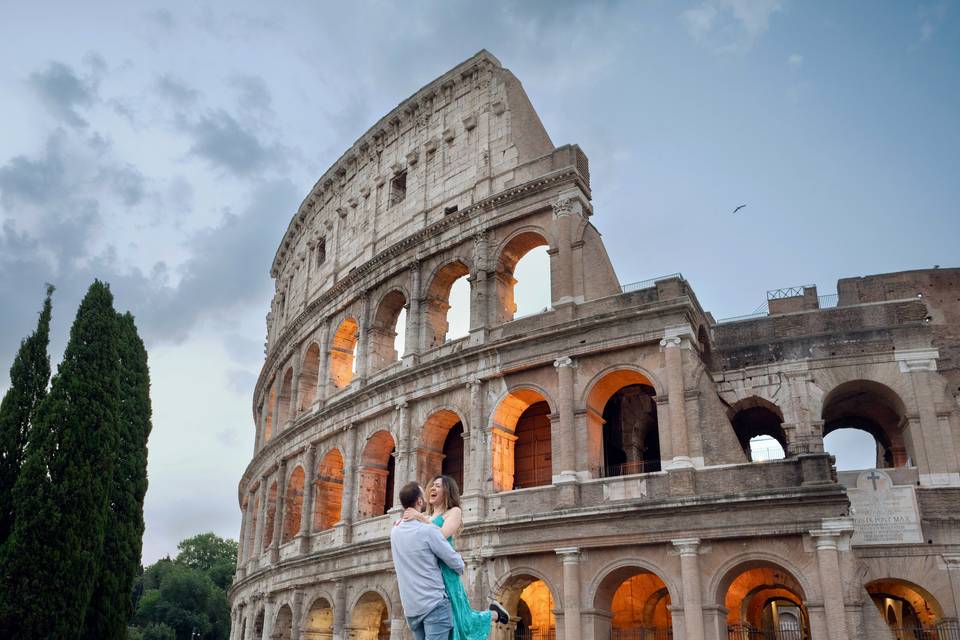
(443, 497)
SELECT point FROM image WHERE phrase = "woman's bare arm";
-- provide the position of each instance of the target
(452, 519)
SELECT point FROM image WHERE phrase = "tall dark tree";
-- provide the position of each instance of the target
(111, 606)
(29, 376)
(49, 564)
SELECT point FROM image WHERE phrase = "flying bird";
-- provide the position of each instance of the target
(738, 208)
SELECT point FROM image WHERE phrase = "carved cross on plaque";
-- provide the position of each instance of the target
(873, 477)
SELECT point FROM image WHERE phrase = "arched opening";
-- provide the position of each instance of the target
(309, 372)
(623, 435)
(343, 353)
(910, 611)
(386, 329)
(243, 629)
(268, 421)
(523, 277)
(441, 447)
(370, 619)
(283, 626)
(293, 505)
(319, 622)
(250, 543)
(758, 425)
(258, 625)
(521, 442)
(872, 408)
(447, 305)
(530, 604)
(271, 516)
(764, 600)
(286, 392)
(637, 602)
(376, 475)
(329, 491)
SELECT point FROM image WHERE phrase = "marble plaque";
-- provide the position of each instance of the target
(883, 513)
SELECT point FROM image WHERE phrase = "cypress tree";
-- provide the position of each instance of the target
(111, 606)
(29, 376)
(49, 564)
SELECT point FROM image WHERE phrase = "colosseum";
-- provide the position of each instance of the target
(605, 445)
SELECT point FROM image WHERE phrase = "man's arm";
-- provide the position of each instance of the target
(443, 550)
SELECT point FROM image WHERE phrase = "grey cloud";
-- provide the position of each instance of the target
(34, 181)
(63, 92)
(241, 381)
(253, 94)
(222, 141)
(126, 181)
(176, 90)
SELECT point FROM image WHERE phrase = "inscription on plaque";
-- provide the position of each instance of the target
(883, 513)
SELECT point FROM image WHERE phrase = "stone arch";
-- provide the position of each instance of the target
(328, 500)
(874, 408)
(437, 301)
(343, 352)
(510, 252)
(911, 604)
(520, 439)
(719, 582)
(529, 596)
(754, 589)
(283, 624)
(318, 619)
(293, 505)
(309, 377)
(635, 596)
(441, 446)
(271, 516)
(370, 616)
(383, 330)
(754, 417)
(623, 434)
(377, 469)
(286, 393)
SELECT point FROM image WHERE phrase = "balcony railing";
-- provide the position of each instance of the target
(646, 284)
(744, 632)
(627, 468)
(642, 633)
(535, 634)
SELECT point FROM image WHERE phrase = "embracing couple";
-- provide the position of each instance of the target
(429, 568)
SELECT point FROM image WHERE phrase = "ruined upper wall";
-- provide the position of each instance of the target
(453, 142)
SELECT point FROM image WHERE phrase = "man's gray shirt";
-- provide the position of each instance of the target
(416, 548)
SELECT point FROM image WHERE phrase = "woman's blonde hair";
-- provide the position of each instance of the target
(451, 492)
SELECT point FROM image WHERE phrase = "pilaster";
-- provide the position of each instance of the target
(689, 550)
(570, 557)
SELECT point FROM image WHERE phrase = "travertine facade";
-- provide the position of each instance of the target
(603, 445)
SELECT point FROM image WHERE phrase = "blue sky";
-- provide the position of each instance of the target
(164, 148)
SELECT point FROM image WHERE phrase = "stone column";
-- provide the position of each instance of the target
(411, 344)
(260, 425)
(570, 556)
(262, 519)
(279, 511)
(689, 549)
(297, 611)
(278, 388)
(478, 289)
(565, 367)
(831, 582)
(404, 456)
(293, 410)
(363, 344)
(323, 375)
(340, 617)
(952, 562)
(673, 357)
(241, 546)
(563, 290)
(309, 489)
(472, 476)
(347, 506)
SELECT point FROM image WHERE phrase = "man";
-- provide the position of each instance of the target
(416, 548)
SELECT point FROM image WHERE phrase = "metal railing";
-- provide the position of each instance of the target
(828, 301)
(942, 631)
(746, 632)
(535, 634)
(626, 468)
(642, 633)
(528, 478)
(787, 292)
(646, 284)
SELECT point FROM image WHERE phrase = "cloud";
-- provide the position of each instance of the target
(930, 17)
(729, 26)
(63, 92)
(221, 140)
(795, 60)
(252, 94)
(176, 91)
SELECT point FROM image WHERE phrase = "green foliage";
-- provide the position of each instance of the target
(111, 606)
(29, 376)
(205, 550)
(159, 632)
(49, 563)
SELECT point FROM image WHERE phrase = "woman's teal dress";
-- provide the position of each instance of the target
(467, 623)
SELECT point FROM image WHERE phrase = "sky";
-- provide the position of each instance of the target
(165, 147)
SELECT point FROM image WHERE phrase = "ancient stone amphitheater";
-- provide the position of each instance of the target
(606, 446)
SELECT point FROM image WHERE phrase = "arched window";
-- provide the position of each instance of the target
(447, 305)
(268, 421)
(343, 353)
(283, 626)
(370, 619)
(531, 601)
(760, 598)
(283, 413)
(389, 324)
(638, 603)
(329, 491)
(319, 620)
(252, 532)
(521, 441)
(271, 516)
(293, 505)
(758, 424)
(872, 409)
(441, 447)
(309, 377)
(909, 610)
(623, 433)
(377, 475)
(523, 277)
